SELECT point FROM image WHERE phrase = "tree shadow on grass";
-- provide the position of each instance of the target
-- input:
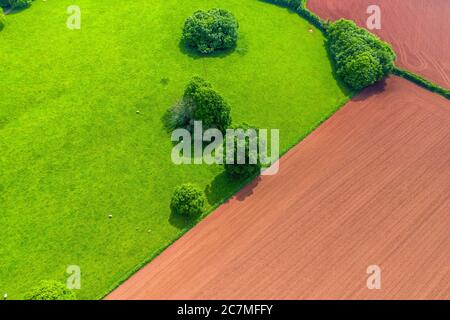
(167, 121)
(10, 11)
(222, 188)
(194, 54)
(171, 118)
(180, 222)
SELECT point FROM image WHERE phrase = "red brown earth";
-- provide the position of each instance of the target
(371, 186)
(417, 29)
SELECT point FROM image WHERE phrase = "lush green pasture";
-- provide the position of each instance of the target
(73, 149)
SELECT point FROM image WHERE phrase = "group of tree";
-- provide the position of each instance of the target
(208, 31)
(202, 103)
(361, 58)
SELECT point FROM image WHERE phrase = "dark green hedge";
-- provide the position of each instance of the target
(299, 6)
(311, 17)
(15, 4)
(292, 4)
(421, 82)
(361, 57)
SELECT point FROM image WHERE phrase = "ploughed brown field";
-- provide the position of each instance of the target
(417, 29)
(371, 186)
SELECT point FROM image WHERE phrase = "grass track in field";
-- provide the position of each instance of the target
(73, 150)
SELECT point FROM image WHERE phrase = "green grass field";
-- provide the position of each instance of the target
(73, 149)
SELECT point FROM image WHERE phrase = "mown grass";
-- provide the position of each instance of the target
(73, 150)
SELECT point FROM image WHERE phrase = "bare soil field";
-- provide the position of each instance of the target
(371, 186)
(417, 29)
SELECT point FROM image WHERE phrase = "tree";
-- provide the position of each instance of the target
(202, 103)
(361, 58)
(242, 161)
(194, 85)
(50, 290)
(188, 200)
(211, 109)
(212, 30)
(362, 71)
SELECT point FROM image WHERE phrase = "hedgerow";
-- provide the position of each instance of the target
(311, 17)
(361, 58)
(292, 4)
(421, 82)
(299, 6)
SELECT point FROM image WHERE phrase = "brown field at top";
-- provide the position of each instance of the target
(417, 29)
(371, 186)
